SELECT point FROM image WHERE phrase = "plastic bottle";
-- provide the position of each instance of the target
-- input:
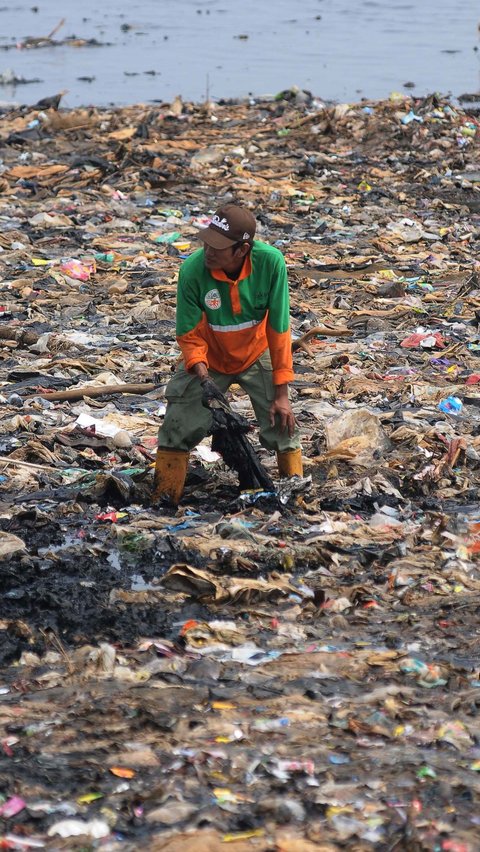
(105, 257)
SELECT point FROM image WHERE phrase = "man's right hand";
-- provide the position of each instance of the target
(210, 391)
(200, 370)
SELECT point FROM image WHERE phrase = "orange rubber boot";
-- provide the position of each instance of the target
(170, 474)
(290, 463)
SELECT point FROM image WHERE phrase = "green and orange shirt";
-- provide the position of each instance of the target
(227, 324)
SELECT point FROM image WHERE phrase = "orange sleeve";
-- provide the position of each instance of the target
(280, 347)
(278, 324)
(194, 346)
(190, 321)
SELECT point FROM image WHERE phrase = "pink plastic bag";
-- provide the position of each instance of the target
(78, 270)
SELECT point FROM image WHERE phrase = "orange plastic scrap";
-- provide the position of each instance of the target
(188, 626)
(122, 771)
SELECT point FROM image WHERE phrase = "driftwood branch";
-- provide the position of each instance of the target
(302, 342)
(100, 390)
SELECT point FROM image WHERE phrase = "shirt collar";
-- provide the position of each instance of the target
(246, 270)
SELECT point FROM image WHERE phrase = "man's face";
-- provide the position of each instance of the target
(229, 259)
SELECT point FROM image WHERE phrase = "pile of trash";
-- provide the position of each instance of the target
(293, 669)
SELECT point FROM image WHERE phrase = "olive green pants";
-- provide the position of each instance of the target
(187, 421)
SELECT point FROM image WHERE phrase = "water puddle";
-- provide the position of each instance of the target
(139, 584)
(54, 549)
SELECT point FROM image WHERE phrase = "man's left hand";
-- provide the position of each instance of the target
(281, 412)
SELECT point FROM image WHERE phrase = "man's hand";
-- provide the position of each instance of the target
(210, 391)
(200, 370)
(282, 409)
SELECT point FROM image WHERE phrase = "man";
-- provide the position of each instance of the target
(233, 325)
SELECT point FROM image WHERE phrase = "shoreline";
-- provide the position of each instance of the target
(297, 97)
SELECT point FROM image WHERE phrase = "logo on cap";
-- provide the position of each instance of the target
(213, 300)
(220, 223)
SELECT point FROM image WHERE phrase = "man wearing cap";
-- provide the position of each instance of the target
(233, 326)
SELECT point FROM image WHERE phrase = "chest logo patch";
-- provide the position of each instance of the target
(213, 300)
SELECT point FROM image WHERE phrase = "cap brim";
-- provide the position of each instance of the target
(214, 239)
